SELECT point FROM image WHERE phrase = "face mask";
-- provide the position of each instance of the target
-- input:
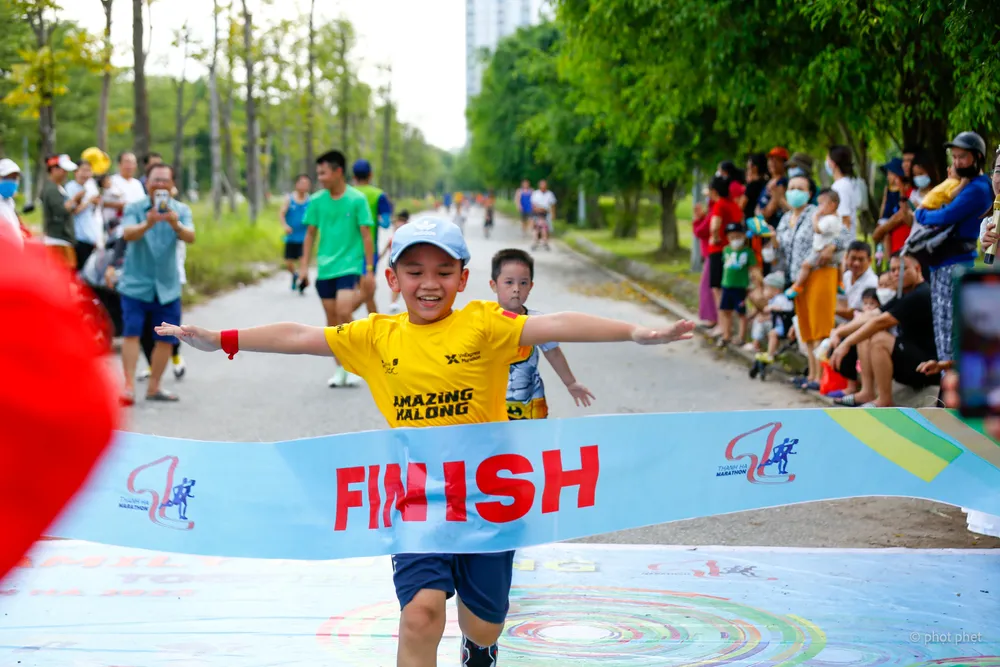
(967, 172)
(885, 294)
(767, 254)
(795, 171)
(8, 189)
(797, 198)
(736, 244)
(922, 181)
(829, 168)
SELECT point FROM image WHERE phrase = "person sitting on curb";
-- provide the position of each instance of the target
(886, 357)
(858, 278)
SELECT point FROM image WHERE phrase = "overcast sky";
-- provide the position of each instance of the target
(423, 40)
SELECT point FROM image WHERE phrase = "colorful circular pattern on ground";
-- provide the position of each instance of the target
(614, 627)
(549, 625)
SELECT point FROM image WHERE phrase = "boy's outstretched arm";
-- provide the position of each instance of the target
(583, 328)
(281, 338)
(581, 395)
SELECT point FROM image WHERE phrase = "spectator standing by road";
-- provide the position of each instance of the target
(88, 218)
(523, 199)
(850, 189)
(950, 233)
(707, 310)
(772, 203)
(756, 174)
(150, 284)
(10, 221)
(124, 182)
(57, 210)
(543, 205)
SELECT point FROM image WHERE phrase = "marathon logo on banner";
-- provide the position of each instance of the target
(496, 487)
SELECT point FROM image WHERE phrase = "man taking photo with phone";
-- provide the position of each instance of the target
(150, 283)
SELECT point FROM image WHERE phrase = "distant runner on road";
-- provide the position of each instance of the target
(381, 210)
(543, 204)
(523, 199)
(293, 218)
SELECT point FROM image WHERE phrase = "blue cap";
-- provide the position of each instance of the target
(362, 169)
(437, 231)
(894, 166)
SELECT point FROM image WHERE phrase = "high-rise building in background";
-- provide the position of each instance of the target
(486, 23)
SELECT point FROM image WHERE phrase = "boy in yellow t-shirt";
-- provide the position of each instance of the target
(435, 366)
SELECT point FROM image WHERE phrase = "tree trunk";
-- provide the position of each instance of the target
(102, 111)
(140, 123)
(310, 158)
(929, 78)
(179, 133)
(627, 222)
(227, 118)
(285, 179)
(594, 220)
(669, 239)
(345, 91)
(253, 134)
(213, 91)
(265, 168)
(386, 140)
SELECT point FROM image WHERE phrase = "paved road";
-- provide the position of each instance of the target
(266, 398)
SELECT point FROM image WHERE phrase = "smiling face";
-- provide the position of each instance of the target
(428, 279)
(513, 286)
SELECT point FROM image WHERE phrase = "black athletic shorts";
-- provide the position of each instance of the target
(906, 356)
(293, 250)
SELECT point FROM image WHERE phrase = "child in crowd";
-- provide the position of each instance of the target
(945, 191)
(739, 264)
(775, 322)
(401, 219)
(827, 226)
(428, 267)
(513, 275)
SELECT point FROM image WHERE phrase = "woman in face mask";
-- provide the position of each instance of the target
(816, 304)
(10, 177)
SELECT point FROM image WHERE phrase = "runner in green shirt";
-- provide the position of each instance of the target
(339, 215)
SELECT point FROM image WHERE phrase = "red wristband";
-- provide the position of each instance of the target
(230, 342)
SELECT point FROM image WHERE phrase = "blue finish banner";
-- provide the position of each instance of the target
(494, 487)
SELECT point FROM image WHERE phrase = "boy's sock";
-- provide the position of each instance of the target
(176, 359)
(295, 280)
(474, 655)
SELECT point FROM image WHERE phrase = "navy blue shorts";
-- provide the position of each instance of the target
(134, 314)
(328, 288)
(734, 298)
(482, 581)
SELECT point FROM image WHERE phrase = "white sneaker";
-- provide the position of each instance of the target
(179, 369)
(339, 378)
(144, 374)
(354, 380)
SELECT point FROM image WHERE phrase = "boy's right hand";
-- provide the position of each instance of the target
(681, 330)
(198, 338)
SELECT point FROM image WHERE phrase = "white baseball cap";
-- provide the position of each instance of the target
(8, 167)
(62, 161)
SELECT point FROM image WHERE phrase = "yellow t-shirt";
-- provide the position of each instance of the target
(940, 194)
(453, 371)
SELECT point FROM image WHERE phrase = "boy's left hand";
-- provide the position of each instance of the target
(581, 395)
(681, 330)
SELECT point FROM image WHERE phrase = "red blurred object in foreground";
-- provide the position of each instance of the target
(58, 400)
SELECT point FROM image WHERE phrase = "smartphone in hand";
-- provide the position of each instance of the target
(161, 199)
(976, 347)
